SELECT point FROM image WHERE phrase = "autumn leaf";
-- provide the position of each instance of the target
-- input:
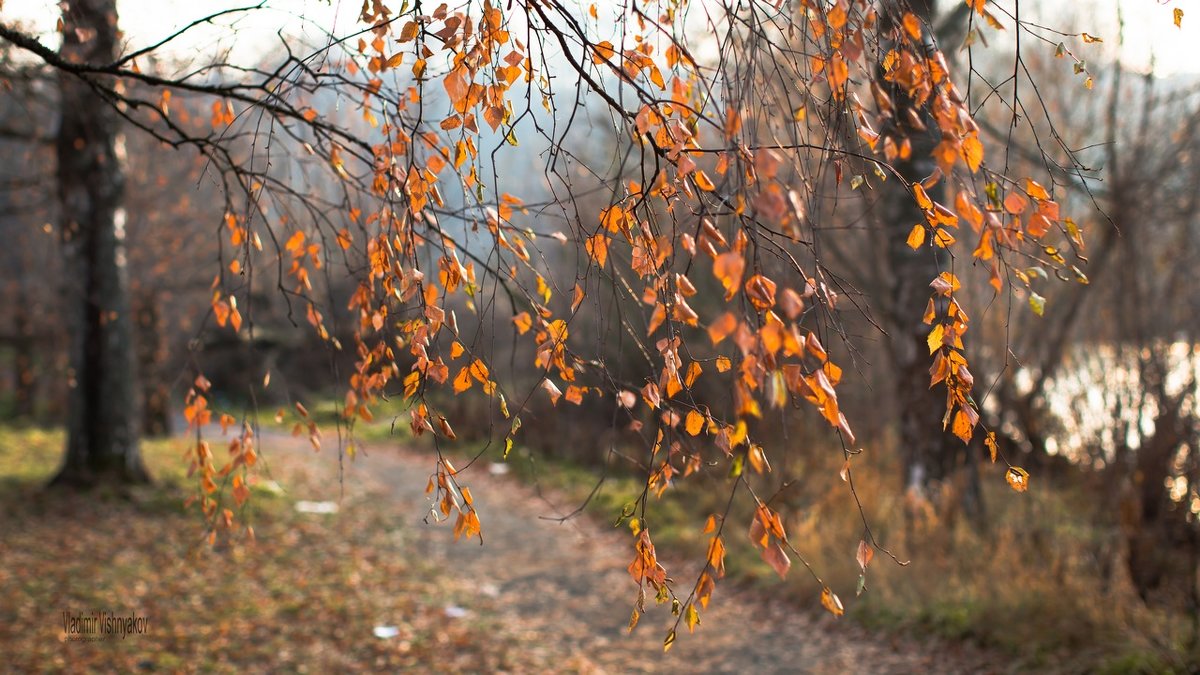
(523, 322)
(831, 602)
(936, 338)
(462, 381)
(728, 268)
(916, 237)
(1018, 478)
(863, 554)
(1037, 303)
(553, 391)
(603, 51)
(1015, 203)
(777, 558)
(972, 152)
(990, 442)
(703, 182)
(962, 427)
(691, 617)
(1035, 189)
(722, 327)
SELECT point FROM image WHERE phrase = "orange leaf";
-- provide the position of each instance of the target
(604, 52)
(916, 238)
(1018, 478)
(728, 268)
(990, 442)
(923, 199)
(722, 327)
(1015, 202)
(462, 381)
(962, 426)
(1035, 190)
(831, 602)
(523, 322)
(864, 554)
(972, 152)
(777, 558)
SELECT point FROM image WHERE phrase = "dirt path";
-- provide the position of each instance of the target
(562, 590)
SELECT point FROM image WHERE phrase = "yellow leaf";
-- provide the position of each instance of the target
(604, 51)
(723, 364)
(758, 459)
(830, 601)
(1018, 478)
(703, 182)
(692, 617)
(990, 442)
(1090, 38)
(942, 238)
(916, 237)
(962, 426)
(523, 322)
(578, 299)
(936, 338)
(669, 641)
(597, 248)
(1178, 18)
(972, 152)
(922, 198)
(694, 423)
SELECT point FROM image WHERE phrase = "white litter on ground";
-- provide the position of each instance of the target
(386, 632)
(316, 507)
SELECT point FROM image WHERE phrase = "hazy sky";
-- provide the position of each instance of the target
(1149, 25)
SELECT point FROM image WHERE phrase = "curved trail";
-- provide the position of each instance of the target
(562, 590)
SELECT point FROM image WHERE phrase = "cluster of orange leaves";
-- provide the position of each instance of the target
(234, 474)
(408, 331)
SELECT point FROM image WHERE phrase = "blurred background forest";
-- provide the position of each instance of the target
(1092, 387)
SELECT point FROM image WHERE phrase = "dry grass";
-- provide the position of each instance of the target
(1044, 586)
(305, 597)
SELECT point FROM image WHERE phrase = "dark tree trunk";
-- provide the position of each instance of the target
(1155, 532)
(24, 378)
(102, 419)
(151, 352)
(931, 456)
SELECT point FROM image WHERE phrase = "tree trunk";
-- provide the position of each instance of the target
(24, 379)
(931, 456)
(102, 438)
(151, 352)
